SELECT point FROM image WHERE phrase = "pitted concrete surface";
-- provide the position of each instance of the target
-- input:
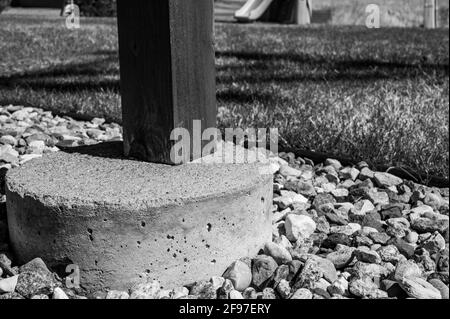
(89, 179)
(124, 222)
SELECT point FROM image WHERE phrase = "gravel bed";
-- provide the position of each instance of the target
(338, 232)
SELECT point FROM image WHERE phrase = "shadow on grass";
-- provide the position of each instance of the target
(288, 67)
(250, 67)
(94, 75)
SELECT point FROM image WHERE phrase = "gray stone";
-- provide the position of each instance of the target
(249, 293)
(150, 290)
(299, 226)
(435, 223)
(386, 180)
(267, 294)
(407, 268)
(284, 289)
(310, 274)
(373, 271)
(366, 173)
(405, 248)
(302, 293)
(336, 239)
(115, 294)
(8, 285)
(201, 290)
(59, 294)
(419, 288)
(349, 173)
(288, 171)
(389, 254)
(398, 227)
(380, 238)
(439, 285)
(435, 243)
(240, 274)
(278, 253)
(366, 255)
(262, 270)
(322, 199)
(393, 289)
(342, 257)
(364, 288)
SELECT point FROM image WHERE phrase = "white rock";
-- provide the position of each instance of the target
(116, 294)
(280, 254)
(387, 180)
(235, 295)
(217, 282)
(146, 291)
(284, 289)
(302, 293)
(288, 171)
(28, 157)
(59, 294)
(406, 268)
(339, 287)
(20, 115)
(419, 288)
(366, 231)
(36, 147)
(361, 208)
(8, 285)
(8, 139)
(180, 293)
(299, 226)
(240, 275)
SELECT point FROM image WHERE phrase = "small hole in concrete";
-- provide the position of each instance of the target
(143, 224)
(263, 200)
(209, 227)
(208, 246)
(213, 261)
(105, 220)
(139, 243)
(174, 255)
(90, 231)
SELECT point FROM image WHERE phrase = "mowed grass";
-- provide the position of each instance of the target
(374, 95)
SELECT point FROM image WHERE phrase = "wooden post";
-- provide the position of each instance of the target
(167, 72)
(430, 14)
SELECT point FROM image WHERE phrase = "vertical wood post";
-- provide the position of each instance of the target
(430, 14)
(167, 72)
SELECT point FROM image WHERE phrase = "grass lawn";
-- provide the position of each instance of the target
(375, 95)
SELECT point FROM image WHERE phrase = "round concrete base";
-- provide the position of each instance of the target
(124, 222)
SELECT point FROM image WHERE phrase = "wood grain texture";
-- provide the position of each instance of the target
(167, 72)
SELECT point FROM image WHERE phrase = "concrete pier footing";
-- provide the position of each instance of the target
(124, 222)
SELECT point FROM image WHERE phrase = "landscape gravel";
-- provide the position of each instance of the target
(338, 232)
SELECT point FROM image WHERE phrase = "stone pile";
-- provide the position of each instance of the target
(338, 232)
